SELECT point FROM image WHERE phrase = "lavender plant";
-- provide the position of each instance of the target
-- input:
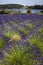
(18, 56)
(25, 31)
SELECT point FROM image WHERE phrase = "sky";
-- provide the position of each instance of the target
(23, 2)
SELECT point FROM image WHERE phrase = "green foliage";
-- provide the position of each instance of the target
(30, 25)
(1, 62)
(18, 56)
(13, 36)
(38, 40)
(2, 43)
(22, 29)
(40, 31)
(4, 11)
(14, 23)
(10, 34)
(36, 62)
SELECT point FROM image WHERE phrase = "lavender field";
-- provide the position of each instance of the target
(21, 39)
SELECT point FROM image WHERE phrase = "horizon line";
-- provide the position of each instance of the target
(19, 4)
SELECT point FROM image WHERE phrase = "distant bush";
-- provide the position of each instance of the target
(9, 12)
(41, 11)
(28, 11)
(4, 12)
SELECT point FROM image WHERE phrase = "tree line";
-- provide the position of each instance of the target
(35, 7)
(11, 6)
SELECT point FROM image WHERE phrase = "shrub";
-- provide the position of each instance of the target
(4, 11)
(28, 11)
(41, 11)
